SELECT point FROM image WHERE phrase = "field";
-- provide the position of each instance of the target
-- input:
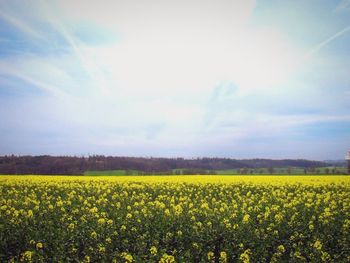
(175, 219)
(330, 170)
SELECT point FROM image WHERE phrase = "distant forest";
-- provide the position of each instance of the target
(69, 165)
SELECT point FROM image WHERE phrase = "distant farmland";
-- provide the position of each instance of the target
(114, 165)
(244, 171)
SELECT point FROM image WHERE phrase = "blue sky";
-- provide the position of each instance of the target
(241, 79)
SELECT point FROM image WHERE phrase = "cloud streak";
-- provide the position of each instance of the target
(89, 66)
(318, 47)
(7, 70)
(21, 25)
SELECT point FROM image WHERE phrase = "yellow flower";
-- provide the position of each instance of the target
(178, 210)
(211, 256)
(93, 234)
(223, 257)
(128, 215)
(205, 206)
(325, 257)
(39, 245)
(27, 256)
(246, 219)
(167, 259)
(245, 256)
(153, 250)
(281, 249)
(128, 258)
(101, 221)
(279, 217)
(71, 226)
(30, 213)
(93, 210)
(101, 249)
(318, 245)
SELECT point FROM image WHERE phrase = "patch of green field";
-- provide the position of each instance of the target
(227, 172)
(111, 173)
(241, 171)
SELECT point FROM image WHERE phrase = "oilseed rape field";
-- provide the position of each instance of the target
(175, 219)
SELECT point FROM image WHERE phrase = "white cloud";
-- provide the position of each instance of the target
(176, 46)
(172, 47)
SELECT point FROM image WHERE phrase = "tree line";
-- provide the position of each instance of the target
(74, 165)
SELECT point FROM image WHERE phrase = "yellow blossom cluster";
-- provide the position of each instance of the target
(174, 219)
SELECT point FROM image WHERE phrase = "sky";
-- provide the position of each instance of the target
(175, 78)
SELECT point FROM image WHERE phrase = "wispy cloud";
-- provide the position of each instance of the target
(91, 67)
(319, 46)
(21, 25)
(7, 70)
